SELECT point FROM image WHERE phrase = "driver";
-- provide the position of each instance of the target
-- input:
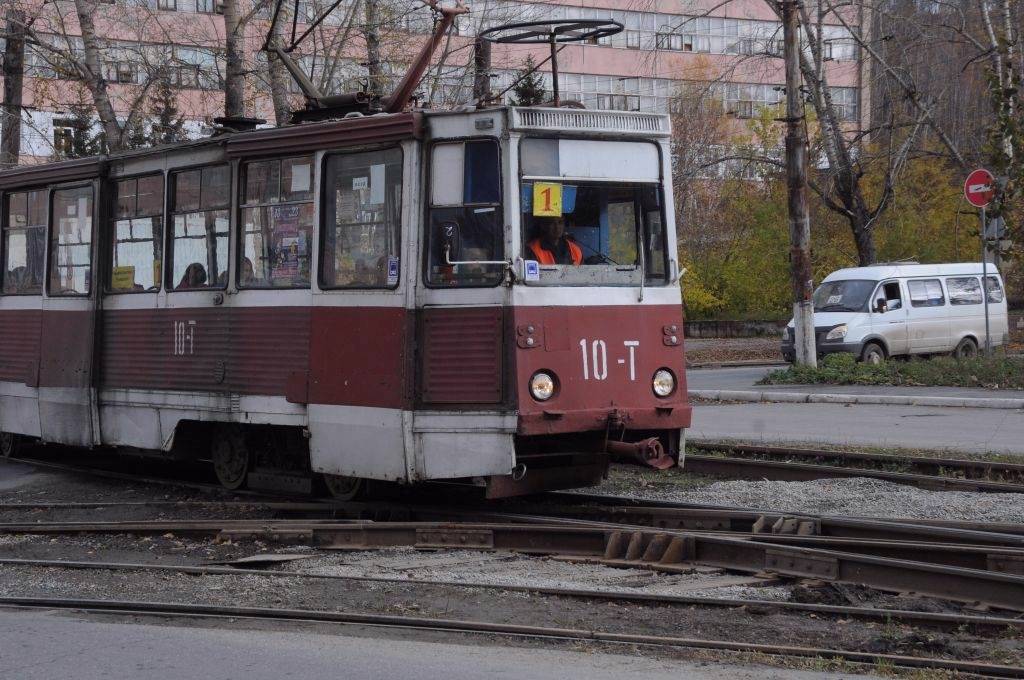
(553, 246)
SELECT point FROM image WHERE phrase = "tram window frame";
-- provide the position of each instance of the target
(159, 236)
(41, 227)
(464, 207)
(173, 212)
(266, 202)
(53, 245)
(327, 211)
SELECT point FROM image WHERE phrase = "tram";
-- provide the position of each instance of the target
(375, 297)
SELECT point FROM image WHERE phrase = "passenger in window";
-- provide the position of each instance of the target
(553, 246)
(248, 275)
(194, 277)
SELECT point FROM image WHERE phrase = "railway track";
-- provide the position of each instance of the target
(969, 574)
(945, 557)
(743, 461)
(181, 610)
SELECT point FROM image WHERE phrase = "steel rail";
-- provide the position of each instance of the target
(168, 609)
(998, 585)
(753, 468)
(940, 620)
(924, 464)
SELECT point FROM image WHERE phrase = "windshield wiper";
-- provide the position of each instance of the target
(841, 308)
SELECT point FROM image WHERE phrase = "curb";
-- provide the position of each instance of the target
(740, 363)
(891, 400)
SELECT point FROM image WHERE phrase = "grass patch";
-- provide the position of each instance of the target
(1000, 372)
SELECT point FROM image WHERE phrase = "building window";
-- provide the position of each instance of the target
(71, 242)
(137, 243)
(169, 5)
(206, 6)
(362, 220)
(24, 243)
(277, 223)
(199, 240)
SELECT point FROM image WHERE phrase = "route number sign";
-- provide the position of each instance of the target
(547, 199)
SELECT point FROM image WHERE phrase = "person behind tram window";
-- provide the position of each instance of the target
(553, 246)
(194, 277)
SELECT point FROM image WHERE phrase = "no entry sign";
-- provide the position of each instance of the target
(979, 188)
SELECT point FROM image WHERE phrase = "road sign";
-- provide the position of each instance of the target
(980, 188)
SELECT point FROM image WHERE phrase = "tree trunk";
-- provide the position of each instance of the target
(372, 36)
(234, 77)
(14, 73)
(92, 72)
(864, 239)
(279, 77)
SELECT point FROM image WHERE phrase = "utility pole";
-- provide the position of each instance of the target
(14, 73)
(796, 182)
(371, 34)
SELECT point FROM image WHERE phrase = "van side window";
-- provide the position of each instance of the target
(890, 291)
(926, 293)
(199, 240)
(995, 289)
(24, 243)
(71, 242)
(138, 235)
(964, 290)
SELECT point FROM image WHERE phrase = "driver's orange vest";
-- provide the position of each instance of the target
(545, 256)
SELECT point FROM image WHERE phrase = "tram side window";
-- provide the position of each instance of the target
(71, 242)
(24, 243)
(199, 241)
(362, 220)
(465, 215)
(277, 223)
(137, 235)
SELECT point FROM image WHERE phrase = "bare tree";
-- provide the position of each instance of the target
(14, 73)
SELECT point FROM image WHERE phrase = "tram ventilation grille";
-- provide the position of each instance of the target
(622, 122)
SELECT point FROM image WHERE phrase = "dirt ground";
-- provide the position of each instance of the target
(319, 588)
(712, 350)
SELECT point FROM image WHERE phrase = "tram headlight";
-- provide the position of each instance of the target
(542, 386)
(663, 383)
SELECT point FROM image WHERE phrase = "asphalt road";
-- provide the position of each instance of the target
(977, 430)
(42, 646)
(745, 378)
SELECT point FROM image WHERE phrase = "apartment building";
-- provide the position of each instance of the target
(734, 46)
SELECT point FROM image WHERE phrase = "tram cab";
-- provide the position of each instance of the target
(550, 305)
(489, 296)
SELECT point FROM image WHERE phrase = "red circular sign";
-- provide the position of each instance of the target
(980, 188)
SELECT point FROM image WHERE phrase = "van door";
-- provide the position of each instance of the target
(889, 319)
(928, 323)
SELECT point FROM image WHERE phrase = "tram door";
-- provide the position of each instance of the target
(66, 397)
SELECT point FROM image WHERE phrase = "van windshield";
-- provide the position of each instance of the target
(842, 296)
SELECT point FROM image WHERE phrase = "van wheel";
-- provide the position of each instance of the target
(872, 354)
(967, 349)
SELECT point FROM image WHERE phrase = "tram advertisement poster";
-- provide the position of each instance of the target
(290, 242)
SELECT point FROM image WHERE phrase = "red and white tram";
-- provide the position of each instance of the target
(360, 298)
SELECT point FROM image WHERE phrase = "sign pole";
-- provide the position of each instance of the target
(984, 280)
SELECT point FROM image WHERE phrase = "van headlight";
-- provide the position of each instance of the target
(542, 386)
(663, 383)
(837, 333)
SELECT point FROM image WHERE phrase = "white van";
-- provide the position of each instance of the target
(892, 310)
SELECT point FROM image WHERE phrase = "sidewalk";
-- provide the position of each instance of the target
(739, 384)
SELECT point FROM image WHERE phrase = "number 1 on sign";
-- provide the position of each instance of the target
(547, 199)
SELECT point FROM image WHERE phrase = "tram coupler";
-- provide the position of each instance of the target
(648, 452)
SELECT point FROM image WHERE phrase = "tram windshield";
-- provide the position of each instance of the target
(591, 213)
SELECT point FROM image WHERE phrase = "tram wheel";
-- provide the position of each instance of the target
(9, 444)
(344, 488)
(230, 457)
